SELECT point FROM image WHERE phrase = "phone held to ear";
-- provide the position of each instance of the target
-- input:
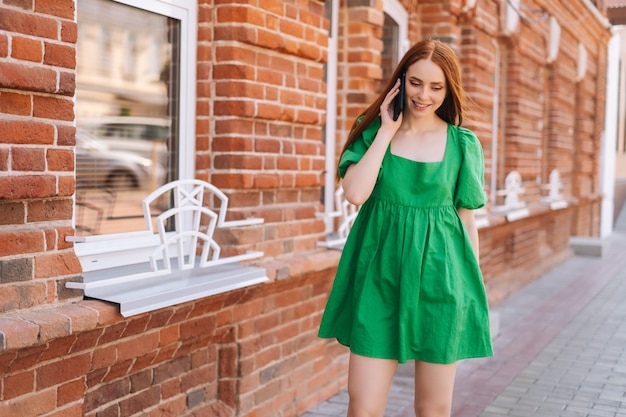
(398, 102)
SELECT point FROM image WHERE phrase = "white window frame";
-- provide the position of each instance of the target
(184, 11)
(331, 116)
(111, 262)
(398, 13)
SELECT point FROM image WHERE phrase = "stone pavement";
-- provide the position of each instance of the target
(560, 351)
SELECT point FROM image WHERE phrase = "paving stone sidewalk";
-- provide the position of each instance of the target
(582, 372)
(560, 352)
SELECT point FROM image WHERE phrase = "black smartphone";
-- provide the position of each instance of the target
(398, 102)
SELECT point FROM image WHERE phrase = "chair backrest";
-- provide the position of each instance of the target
(348, 213)
(189, 201)
(555, 185)
(184, 193)
(512, 189)
(186, 241)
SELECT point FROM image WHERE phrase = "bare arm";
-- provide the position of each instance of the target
(360, 178)
(467, 217)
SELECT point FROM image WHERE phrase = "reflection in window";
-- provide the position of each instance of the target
(152, 69)
(104, 47)
(130, 55)
(391, 37)
(127, 102)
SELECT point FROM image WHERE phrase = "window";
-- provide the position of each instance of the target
(145, 124)
(390, 53)
(128, 124)
(395, 37)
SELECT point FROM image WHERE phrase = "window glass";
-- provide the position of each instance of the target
(395, 37)
(391, 39)
(127, 141)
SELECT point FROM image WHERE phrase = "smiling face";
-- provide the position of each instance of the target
(426, 88)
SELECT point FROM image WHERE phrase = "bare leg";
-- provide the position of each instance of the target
(434, 384)
(369, 380)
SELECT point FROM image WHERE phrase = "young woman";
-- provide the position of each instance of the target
(408, 285)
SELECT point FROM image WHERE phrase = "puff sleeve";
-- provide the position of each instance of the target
(357, 149)
(469, 192)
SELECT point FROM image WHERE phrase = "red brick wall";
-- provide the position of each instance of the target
(547, 119)
(37, 83)
(247, 352)
(260, 113)
(359, 73)
(251, 352)
(264, 144)
(514, 254)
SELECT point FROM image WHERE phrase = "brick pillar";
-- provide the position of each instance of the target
(37, 78)
(477, 58)
(590, 96)
(561, 128)
(266, 120)
(440, 20)
(360, 47)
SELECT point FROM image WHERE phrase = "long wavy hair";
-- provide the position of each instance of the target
(452, 108)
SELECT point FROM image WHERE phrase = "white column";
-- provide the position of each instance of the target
(331, 116)
(609, 137)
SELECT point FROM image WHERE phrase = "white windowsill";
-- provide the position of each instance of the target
(116, 268)
(137, 290)
(144, 271)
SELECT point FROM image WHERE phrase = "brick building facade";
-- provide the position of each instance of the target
(616, 11)
(536, 74)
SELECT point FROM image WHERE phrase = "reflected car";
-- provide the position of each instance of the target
(146, 136)
(97, 165)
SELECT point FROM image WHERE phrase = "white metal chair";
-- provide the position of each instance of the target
(346, 212)
(143, 271)
(514, 208)
(189, 198)
(554, 198)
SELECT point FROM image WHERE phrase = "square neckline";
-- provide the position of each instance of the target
(445, 151)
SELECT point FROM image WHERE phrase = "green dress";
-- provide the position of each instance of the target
(408, 285)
